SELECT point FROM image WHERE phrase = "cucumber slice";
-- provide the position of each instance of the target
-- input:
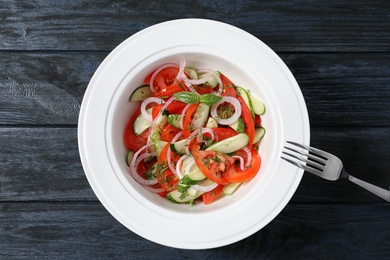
(258, 106)
(179, 146)
(158, 126)
(140, 93)
(212, 82)
(160, 146)
(211, 122)
(141, 124)
(230, 188)
(129, 157)
(191, 73)
(194, 172)
(200, 117)
(238, 125)
(182, 197)
(246, 97)
(231, 144)
(259, 134)
(174, 120)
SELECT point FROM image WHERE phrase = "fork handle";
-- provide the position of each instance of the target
(380, 192)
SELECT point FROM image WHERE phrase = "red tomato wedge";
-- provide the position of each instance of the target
(169, 132)
(210, 196)
(165, 177)
(132, 141)
(235, 174)
(248, 120)
(213, 165)
(187, 120)
(165, 78)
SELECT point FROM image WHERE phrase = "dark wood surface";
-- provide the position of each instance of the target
(339, 52)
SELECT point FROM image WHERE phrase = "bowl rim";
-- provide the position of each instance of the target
(92, 140)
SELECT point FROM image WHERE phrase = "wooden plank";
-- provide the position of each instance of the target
(87, 230)
(42, 164)
(285, 26)
(339, 89)
(39, 88)
(344, 89)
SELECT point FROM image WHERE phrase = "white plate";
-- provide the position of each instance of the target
(105, 110)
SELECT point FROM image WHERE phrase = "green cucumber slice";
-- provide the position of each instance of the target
(182, 197)
(174, 120)
(211, 122)
(140, 124)
(258, 106)
(230, 188)
(259, 134)
(191, 73)
(238, 125)
(158, 126)
(141, 93)
(201, 116)
(246, 97)
(179, 146)
(231, 144)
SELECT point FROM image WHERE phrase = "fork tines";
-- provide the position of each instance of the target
(305, 158)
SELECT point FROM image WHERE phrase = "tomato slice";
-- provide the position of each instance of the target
(235, 174)
(224, 133)
(166, 77)
(165, 177)
(226, 82)
(169, 132)
(210, 196)
(132, 141)
(187, 120)
(246, 116)
(213, 165)
(169, 90)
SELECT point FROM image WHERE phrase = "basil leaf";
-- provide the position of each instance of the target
(187, 97)
(209, 99)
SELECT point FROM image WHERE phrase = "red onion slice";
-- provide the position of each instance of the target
(134, 164)
(237, 110)
(148, 101)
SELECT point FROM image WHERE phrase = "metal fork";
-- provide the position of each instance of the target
(326, 166)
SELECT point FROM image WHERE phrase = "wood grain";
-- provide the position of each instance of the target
(42, 164)
(79, 230)
(339, 89)
(285, 26)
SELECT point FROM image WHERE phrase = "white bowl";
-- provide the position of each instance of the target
(106, 110)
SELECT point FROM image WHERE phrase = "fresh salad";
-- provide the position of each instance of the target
(194, 136)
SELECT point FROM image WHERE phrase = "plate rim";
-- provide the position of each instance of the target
(97, 188)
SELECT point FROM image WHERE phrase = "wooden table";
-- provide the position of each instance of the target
(339, 52)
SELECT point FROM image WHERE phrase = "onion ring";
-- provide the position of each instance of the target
(167, 65)
(148, 101)
(234, 117)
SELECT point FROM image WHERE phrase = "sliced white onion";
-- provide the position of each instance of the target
(178, 166)
(182, 115)
(169, 101)
(242, 166)
(134, 164)
(200, 187)
(146, 102)
(249, 158)
(237, 110)
(203, 79)
(181, 75)
(167, 65)
(216, 76)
